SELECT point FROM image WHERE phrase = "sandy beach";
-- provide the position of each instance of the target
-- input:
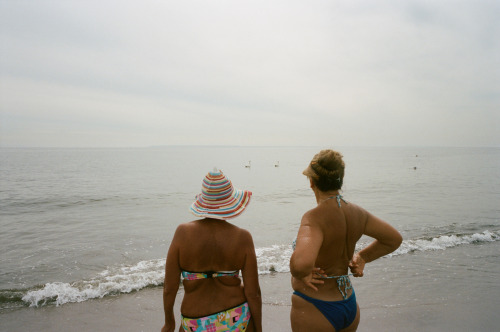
(142, 311)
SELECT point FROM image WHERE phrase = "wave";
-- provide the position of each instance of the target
(444, 242)
(16, 206)
(274, 259)
(126, 279)
(39, 205)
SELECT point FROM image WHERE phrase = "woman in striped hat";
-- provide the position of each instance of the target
(209, 253)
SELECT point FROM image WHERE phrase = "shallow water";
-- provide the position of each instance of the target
(79, 224)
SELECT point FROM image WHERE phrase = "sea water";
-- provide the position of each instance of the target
(79, 224)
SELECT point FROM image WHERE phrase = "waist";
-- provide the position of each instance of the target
(350, 298)
(345, 276)
(205, 302)
(340, 286)
(242, 305)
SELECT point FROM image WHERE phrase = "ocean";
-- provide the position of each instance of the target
(84, 224)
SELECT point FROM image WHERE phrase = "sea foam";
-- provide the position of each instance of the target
(444, 242)
(124, 279)
(272, 259)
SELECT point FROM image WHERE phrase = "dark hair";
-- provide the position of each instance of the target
(328, 168)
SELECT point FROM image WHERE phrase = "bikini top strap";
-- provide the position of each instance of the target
(187, 275)
(340, 198)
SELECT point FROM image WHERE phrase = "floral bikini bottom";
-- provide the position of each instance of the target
(232, 320)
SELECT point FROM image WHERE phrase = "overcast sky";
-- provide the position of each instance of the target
(274, 72)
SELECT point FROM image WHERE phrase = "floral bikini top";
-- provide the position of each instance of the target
(343, 281)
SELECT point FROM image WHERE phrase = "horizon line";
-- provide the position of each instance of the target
(244, 146)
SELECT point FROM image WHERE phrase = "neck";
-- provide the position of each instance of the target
(322, 196)
(213, 219)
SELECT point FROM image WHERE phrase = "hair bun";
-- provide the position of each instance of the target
(330, 160)
(326, 170)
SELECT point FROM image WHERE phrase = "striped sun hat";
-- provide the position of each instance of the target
(219, 199)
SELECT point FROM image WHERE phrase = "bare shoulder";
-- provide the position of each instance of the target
(361, 214)
(311, 217)
(244, 235)
(357, 211)
(184, 229)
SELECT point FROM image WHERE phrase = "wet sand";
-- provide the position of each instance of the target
(143, 311)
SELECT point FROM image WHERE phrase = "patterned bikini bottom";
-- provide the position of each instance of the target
(232, 320)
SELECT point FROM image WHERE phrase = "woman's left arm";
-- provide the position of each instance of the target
(251, 285)
(309, 241)
(171, 284)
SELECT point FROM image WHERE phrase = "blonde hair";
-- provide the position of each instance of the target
(326, 169)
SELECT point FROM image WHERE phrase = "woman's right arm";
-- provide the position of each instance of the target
(171, 284)
(387, 239)
(251, 285)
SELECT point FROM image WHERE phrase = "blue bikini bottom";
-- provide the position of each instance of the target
(340, 314)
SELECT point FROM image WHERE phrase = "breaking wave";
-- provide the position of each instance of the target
(126, 279)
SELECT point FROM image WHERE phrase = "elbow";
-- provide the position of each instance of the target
(396, 242)
(169, 299)
(391, 243)
(253, 293)
(399, 240)
(294, 271)
(170, 289)
(299, 270)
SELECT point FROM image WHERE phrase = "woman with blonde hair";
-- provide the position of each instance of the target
(209, 253)
(323, 298)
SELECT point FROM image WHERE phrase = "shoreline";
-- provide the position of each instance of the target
(143, 311)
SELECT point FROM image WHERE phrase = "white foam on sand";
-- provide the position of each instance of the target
(445, 242)
(124, 279)
(272, 259)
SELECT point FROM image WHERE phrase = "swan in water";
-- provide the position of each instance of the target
(249, 164)
(277, 164)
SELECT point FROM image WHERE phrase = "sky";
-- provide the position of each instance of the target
(251, 73)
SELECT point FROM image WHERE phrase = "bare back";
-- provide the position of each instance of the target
(342, 228)
(329, 234)
(214, 245)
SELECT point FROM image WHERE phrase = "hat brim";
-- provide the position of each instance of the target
(231, 208)
(310, 173)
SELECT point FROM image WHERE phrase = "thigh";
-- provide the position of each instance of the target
(305, 317)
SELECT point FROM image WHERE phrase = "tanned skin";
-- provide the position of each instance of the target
(325, 245)
(212, 245)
